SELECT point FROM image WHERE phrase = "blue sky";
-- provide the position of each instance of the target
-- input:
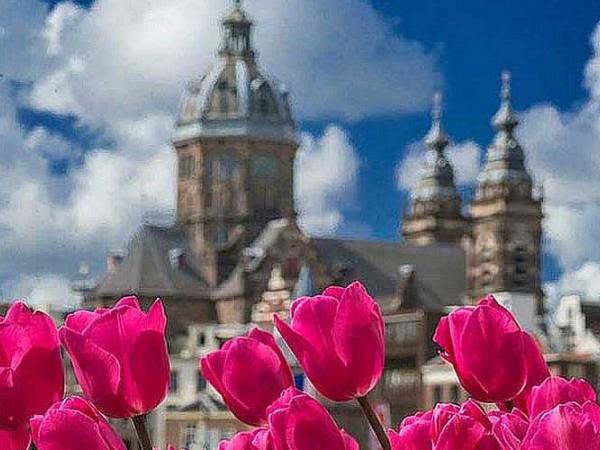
(457, 47)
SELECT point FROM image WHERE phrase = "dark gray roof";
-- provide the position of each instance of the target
(148, 270)
(440, 269)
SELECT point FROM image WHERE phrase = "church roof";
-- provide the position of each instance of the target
(235, 97)
(158, 262)
(440, 270)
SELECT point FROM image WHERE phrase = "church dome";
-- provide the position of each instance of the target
(235, 97)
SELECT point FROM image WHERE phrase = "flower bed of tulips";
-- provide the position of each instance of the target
(120, 359)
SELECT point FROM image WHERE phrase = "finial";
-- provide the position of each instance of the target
(505, 93)
(436, 112)
(436, 138)
(505, 119)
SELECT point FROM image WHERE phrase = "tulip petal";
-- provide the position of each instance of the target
(255, 386)
(14, 440)
(327, 374)
(143, 385)
(131, 301)
(80, 320)
(156, 318)
(37, 393)
(97, 371)
(359, 337)
(268, 339)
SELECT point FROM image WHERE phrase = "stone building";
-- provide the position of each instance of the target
(236, 253)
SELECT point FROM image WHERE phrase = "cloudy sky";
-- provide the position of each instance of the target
(89, 90)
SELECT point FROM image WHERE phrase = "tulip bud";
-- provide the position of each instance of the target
(299, 422)
(31, 367)
(249, 373)
(338, 338)
(120, 356)
(557, 390)
(489, 351)
(74, 424)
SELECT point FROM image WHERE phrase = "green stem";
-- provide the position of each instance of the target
(139, 422)
(375, 423)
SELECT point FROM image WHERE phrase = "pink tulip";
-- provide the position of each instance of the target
(299, 422)
(338, 338)
(487, 348)
(566, 427)
(447, 427)
(31, 368)
(74, 424)
(509, 428)
(259, 439)
(18, 439)
(414, 433)
(249, 373)
(557, 390)
(120, 356)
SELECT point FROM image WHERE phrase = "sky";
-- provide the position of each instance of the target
(89, 92)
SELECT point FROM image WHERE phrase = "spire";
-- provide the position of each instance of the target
(438, 176)
(436, 139)
(505, 119)
(237, 40)
(505, 161)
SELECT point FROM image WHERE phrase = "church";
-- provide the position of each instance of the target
(236, 255)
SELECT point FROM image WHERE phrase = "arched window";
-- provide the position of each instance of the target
(520, 274)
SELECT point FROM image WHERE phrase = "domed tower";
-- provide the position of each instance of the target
(507, 220)
(435, 212)
(236, 143)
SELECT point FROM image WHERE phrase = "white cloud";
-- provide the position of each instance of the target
(42, 291)
(584, 281)
(464, 156)
(325, 176)
(348, 62)
(63, 14)
(563, 154)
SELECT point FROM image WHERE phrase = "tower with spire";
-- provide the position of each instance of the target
(236, 143)
(435, 213)
(507, 218)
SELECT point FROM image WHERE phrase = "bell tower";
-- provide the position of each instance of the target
(435, 211)
(507, 221)
(236, 143)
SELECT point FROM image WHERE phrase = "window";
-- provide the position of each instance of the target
(190, 435)
(400, 378)
(186, 167)
(221, 234)
(437, 395)
(200, 382)
(223, 88)
(221, 167)
(201, 339)
(454, 394)
(174, 381)
(520, 266)
(264, 167)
